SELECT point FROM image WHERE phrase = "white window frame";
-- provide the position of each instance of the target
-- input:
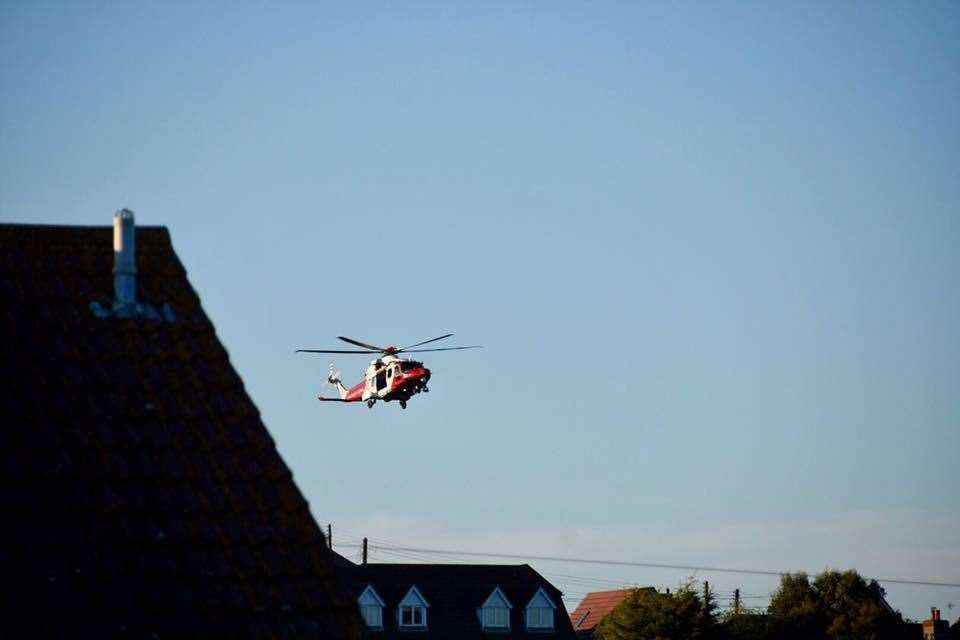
(539, 613)
(413, 600)
(535, 605)
(490, 618)
(415, 610)
(492, 604)
(370, 598)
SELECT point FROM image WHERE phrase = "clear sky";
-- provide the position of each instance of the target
(711, 250)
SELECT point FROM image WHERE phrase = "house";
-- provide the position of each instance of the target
(457, 601)
(143, 496)
(594, 608)
(934, 628)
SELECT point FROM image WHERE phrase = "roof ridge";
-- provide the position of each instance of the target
(71, 227)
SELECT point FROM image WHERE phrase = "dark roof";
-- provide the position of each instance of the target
(454, 593)
(142, 494)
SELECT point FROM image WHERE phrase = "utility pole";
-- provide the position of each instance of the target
(329, 536)
(364, 551)
(706, 595)
(736, 601)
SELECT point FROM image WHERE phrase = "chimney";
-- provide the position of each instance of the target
(124, 259)
(936, 614)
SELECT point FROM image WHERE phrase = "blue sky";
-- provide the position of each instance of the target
(711, 252)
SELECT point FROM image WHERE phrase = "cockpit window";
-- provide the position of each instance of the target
(408, 366)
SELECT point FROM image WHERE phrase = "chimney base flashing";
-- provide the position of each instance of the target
(135, 311)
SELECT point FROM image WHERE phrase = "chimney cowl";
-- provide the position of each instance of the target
(124, 259)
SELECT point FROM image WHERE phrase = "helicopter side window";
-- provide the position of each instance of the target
(381, 379)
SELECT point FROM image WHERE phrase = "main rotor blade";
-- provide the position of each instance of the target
(330, 351)
(362, 344)
(409, 346)
(474, 346)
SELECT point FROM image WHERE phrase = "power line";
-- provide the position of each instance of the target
(632, 563)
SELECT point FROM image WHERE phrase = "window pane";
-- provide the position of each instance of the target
(546, 617)
(541, 617)
(495, 617)
(371, 615)
(406, 615)
(418, 615)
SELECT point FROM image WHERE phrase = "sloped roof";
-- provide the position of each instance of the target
(455, 593)
(595, 607)
(142, 494)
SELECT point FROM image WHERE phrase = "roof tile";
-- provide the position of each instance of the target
(139, 481)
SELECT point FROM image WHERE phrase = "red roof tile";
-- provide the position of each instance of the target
(595, 607)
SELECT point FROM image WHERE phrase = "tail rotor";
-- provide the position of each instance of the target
(333, 377)
(334, 382)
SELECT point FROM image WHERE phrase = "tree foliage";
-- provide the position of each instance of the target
(836, 605)
(744, 625)
(796, 610)
(839, 605)
(648, 615)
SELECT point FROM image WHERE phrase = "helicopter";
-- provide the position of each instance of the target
(388, 377)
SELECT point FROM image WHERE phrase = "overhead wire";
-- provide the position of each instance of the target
(577, 587)
(632, 563)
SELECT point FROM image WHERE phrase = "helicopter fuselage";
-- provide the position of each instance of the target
(388, 378)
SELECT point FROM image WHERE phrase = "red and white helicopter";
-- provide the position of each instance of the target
(388, 377)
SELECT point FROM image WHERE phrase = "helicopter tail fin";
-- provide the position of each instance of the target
(334, 379)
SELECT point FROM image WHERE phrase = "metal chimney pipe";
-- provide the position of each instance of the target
(124, 258)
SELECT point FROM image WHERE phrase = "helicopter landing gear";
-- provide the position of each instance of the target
(403, 404)
(425, 389)
(370, 404)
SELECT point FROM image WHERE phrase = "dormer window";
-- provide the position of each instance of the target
(371, 608)
(412, 611)
(539, 612)
(495, 612)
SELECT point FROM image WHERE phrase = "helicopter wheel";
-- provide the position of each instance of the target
(425, 389)
(370, 404)
(403, 404)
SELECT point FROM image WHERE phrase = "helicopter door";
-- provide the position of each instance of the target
(381, 380)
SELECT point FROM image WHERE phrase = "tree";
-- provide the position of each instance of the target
(648, 615)
(744, 624)
(796, 610)
(839, 605)
(856, 607)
